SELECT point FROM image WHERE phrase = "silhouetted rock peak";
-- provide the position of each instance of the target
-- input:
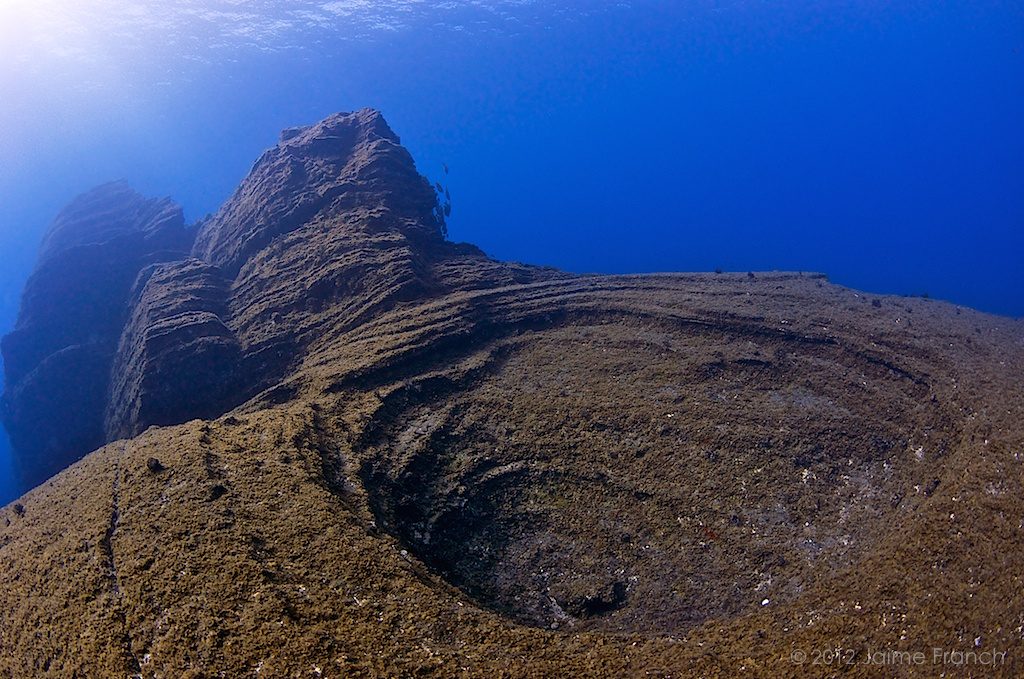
(57, 360)
(115, 211)
(344, 161)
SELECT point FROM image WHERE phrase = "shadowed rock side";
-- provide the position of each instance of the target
(58, 359)
(450, 466)
(176, 358)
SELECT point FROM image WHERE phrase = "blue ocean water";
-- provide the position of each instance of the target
(879, 143)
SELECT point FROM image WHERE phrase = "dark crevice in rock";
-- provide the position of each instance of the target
(132, 664)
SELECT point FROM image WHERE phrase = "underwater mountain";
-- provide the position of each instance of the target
(309, 436)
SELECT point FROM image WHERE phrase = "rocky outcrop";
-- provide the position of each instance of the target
(332, 227)
(346, 162)
(58, 359)
(601, 476)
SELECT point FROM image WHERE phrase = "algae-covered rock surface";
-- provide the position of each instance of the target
(379, 453)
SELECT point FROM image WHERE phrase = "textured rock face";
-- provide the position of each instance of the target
(412, 459)
(345, 162)
(176, 359)
(333, 227)
(58, 359)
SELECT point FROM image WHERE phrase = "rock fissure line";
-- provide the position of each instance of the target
(107, 542)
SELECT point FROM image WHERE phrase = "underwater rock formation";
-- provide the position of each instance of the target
(59, 357)
(121, 329)
(382, 453)
(345, 163)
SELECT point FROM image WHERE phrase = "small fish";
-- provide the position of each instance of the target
(437, 185)
(444, 167)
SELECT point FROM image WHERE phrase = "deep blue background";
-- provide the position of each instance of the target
(880, 143)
